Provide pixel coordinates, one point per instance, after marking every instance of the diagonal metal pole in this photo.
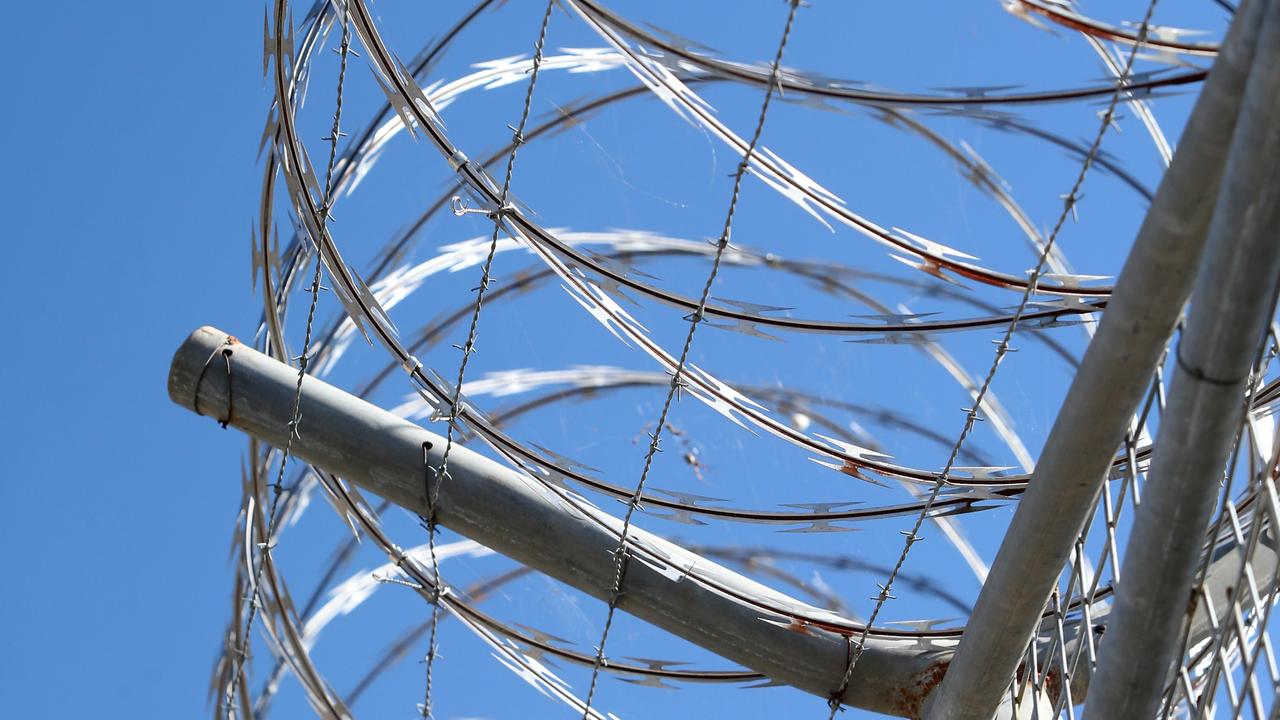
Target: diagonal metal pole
(1231, 307)
(685, 594)
(1107, 389)
(214, 375)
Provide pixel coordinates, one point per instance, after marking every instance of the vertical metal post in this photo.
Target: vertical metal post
(1107, 389)
(1230, 309)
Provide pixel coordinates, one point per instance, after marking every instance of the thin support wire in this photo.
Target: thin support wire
(620, 555)
(468, 347)
(1002, 349)
(335, 133)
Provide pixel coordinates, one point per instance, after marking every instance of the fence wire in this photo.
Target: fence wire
(1228, 667)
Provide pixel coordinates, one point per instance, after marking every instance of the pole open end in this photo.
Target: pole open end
(191, 363)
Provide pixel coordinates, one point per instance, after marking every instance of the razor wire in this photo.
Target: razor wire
(1002, 348)
(457, 409)
(620, 555)
(468, 347)
(277, 489)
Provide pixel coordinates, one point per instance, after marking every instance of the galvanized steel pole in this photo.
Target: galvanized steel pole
(214, 375)
(1107, 389)
(1230, 308)
(492, 504)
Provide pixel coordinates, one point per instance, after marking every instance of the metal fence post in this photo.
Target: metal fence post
(1115, 372)
(1230, 308)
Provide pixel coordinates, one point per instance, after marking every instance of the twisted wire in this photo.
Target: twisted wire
(468, 347)
(620, 557)
(335, 133)
(1002, 349)
(697, 316)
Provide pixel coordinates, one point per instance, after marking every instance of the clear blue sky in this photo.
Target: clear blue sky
(129, 190)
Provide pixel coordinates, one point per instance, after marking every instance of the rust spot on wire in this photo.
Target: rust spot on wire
(800, 626)
(853, 470)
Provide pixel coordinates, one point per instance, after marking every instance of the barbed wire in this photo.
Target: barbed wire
(1002, 349)
(468, 348)
(460, 413)
(335, 133)
(620, 555)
